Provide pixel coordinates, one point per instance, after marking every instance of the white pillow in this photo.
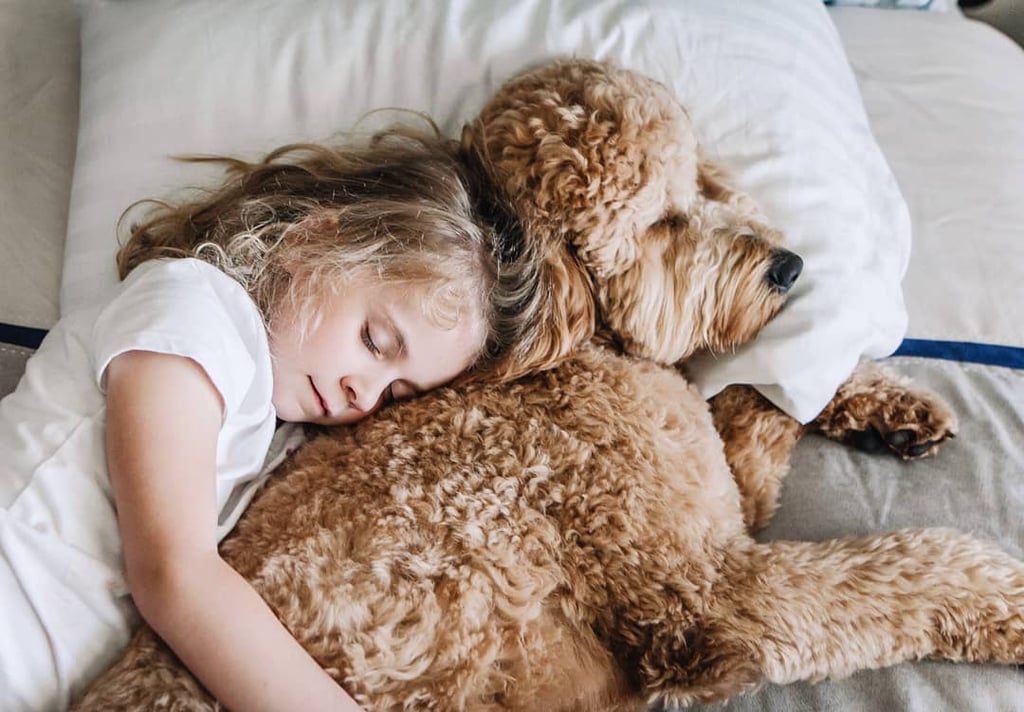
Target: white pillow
(766, 83)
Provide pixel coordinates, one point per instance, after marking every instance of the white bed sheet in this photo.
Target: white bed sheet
(38, 126)
(945, 97)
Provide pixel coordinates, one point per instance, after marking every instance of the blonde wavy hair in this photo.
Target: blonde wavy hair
(309, 219)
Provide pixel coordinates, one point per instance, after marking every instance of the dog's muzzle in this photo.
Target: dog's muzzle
(785, 267)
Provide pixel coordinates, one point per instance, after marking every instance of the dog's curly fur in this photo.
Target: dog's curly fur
(575, 539)
(639, 236)
(645, 244)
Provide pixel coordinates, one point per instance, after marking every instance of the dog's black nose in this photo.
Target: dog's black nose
(784, 269)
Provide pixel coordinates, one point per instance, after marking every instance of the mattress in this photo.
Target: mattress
(38, 128)
(945, 96)
(39, 121)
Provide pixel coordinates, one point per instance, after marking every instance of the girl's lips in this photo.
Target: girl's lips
(319, 399)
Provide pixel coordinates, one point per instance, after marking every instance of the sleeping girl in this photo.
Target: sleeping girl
(314, 286)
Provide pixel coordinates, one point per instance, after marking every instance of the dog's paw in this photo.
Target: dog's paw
(909, 443)
(878, 411)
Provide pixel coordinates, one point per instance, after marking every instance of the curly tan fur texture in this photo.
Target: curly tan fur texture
(576, 539)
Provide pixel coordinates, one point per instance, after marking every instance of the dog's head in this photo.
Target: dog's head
(640, 238)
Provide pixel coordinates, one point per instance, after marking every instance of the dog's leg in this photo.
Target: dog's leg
(147, 677)
(758, 440)
(790, 611)
(874, 410)
(807, 611)
(878, 410)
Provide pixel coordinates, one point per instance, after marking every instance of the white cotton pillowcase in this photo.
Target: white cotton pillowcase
(766, 84)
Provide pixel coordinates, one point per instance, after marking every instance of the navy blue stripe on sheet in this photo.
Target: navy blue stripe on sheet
(21, 335)
(988, 354)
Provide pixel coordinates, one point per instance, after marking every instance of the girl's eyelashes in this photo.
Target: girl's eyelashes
(368, 341)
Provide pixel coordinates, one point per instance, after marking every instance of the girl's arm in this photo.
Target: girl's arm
(163, 415)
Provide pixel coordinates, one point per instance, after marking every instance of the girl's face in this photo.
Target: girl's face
(372, 345)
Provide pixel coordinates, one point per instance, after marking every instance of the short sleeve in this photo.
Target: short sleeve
(189, 308)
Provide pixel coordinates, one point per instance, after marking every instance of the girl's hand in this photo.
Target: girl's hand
(163, 416)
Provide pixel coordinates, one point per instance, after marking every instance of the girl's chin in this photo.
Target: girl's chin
(292, 412)
(346, 418)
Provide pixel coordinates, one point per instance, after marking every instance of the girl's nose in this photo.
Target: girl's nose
(363, 395)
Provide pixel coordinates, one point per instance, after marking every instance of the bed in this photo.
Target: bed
(941, 94)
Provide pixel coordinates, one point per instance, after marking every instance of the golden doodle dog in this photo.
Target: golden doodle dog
(642, 237)
(575, 539)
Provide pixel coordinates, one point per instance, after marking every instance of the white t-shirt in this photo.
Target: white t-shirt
(61, 570)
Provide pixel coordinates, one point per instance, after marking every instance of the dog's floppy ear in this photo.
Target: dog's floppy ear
(594, 154)
(591, 159)
(565, 314)
(566, 319)
(559, 171)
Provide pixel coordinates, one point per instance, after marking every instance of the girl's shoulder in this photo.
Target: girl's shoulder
(187, 286)
(186, 307)
(189, 272)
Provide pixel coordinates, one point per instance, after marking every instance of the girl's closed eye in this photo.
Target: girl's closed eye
(368, 341)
